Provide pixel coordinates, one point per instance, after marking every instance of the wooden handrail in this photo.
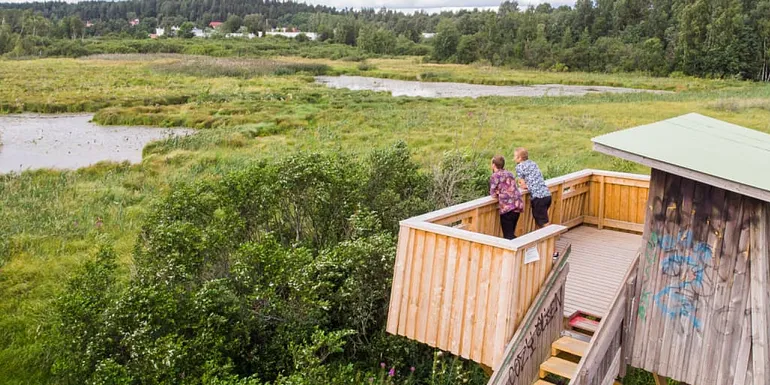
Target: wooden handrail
(542, 325)
(513, 245)
(579, 197)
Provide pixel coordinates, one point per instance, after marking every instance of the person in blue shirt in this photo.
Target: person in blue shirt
(531, 178)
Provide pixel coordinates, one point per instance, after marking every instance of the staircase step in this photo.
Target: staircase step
(576, 335)
(543, 382)
(559, 367)
(583, 323)
(569, 345)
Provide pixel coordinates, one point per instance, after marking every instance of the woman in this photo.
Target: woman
(502, 185)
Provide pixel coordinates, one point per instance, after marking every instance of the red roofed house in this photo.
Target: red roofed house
(215, 24)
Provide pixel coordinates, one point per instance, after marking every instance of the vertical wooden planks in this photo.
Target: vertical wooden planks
(471, 299)
(479, 321)
(409, 302)
(760, 269)
(436, 293)
(600, 210)
(423, 302)
(414, 285)
(506, 290)
(488, 352)
(399, 268)
(459, 301)
(730, 324)
(448, 294)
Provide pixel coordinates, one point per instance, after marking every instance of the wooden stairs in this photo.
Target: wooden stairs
(567, 351)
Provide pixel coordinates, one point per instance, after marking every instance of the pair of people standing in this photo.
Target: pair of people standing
(502, 184)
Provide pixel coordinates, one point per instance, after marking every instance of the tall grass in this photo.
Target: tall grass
(203, 66)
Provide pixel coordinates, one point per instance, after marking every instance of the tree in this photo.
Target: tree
(376, 40)
(255, 23)
(446, 40)
(346, 31)
(468, 49)
(186, 30)
(233, 24)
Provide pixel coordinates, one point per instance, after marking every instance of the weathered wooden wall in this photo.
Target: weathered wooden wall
(703, 285)
(541, 326)
(464, 292)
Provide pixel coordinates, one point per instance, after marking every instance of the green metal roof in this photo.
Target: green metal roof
(700, 148)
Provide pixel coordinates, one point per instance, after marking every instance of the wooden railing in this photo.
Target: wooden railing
(542, 325)
(609, 352)
(606, 199)
(459, 286)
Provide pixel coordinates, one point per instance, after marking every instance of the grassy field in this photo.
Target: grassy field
(50, 221)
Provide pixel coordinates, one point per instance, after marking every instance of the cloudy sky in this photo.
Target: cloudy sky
(408, 5)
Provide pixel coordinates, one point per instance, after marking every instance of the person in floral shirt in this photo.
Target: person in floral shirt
(502, 185)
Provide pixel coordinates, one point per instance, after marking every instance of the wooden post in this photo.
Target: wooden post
(659, 380)
(558, 205)
(601, 202)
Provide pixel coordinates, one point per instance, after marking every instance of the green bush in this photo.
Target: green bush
(278, 272)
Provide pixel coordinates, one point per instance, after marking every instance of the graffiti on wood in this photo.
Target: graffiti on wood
(530, 345)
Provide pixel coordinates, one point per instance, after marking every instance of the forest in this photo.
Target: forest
(705, 38)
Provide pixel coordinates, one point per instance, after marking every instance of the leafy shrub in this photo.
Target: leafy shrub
(364, 66)
(278, 272)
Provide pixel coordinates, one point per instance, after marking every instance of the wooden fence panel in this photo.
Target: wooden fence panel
(457, 294)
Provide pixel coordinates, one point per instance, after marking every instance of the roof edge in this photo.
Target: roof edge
(722, 183)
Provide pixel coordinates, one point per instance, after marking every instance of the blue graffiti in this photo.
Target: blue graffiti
(692, 265)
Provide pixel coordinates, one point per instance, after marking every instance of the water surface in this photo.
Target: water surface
(459, 90)
(70, 141)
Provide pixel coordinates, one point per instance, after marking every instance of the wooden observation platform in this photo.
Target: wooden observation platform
(668, 272)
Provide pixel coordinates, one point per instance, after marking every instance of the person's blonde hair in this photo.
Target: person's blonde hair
(522, 153)
(499, 162)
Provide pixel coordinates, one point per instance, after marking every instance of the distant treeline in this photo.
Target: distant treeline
(708, 38)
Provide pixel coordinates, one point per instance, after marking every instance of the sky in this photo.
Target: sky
(407, 6)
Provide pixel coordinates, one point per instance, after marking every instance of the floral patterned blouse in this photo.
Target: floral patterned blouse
(502, 184)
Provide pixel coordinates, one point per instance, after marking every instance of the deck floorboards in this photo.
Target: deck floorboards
(597, 265)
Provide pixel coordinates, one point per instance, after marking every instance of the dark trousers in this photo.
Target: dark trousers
(508, 222)
(540, 208)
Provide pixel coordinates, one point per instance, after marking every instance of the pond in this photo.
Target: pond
(460, 90)
(29, 142)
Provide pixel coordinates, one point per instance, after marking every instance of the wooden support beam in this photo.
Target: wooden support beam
(659, 380)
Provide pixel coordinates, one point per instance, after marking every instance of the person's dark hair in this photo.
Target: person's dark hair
(499, 162)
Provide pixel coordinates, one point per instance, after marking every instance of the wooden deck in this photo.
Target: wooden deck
(598, 264)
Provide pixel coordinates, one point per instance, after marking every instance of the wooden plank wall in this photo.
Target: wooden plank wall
(702, 285)
(462, 296)
(617, 202)
(542, 325)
